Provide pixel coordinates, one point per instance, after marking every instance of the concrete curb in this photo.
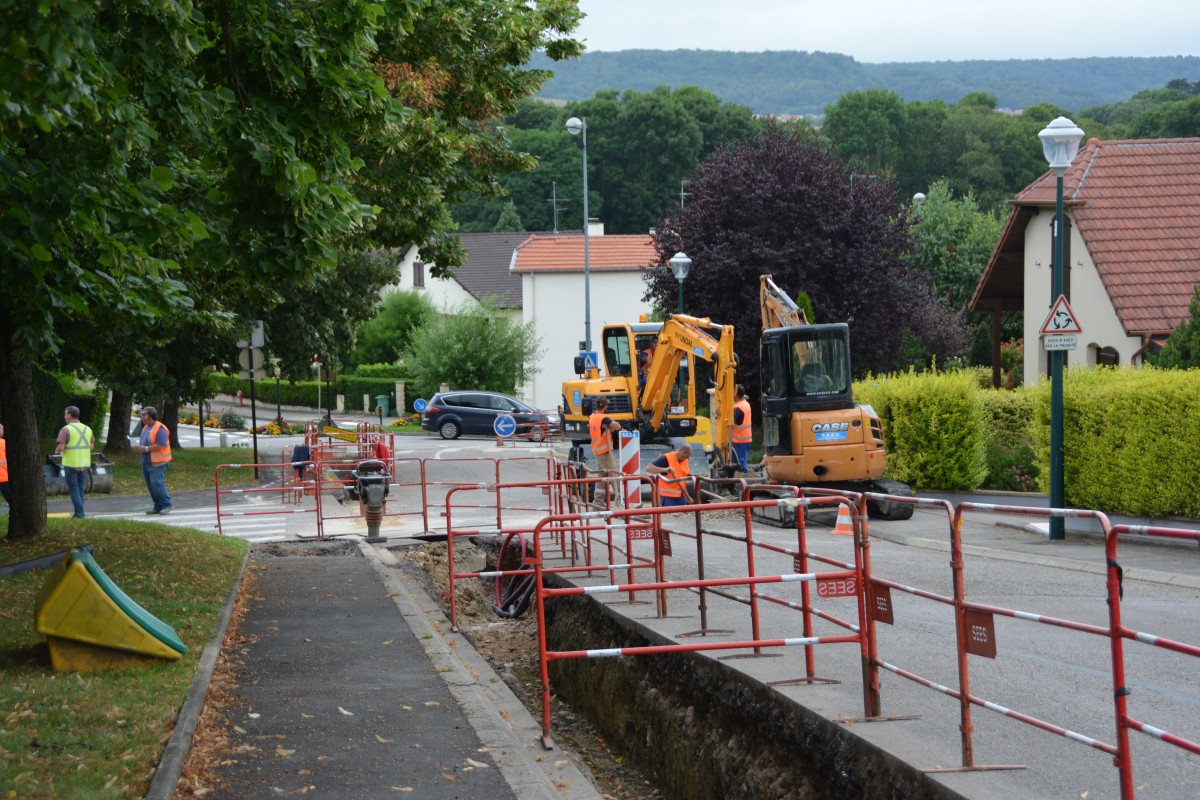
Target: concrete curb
(500, 719)
(170, 766)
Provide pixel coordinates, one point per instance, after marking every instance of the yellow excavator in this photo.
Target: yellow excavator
(649, 379)
(813, 433)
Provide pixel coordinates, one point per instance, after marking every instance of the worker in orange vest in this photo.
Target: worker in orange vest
(672, 469)
(742, 435)
(601, 427)
(4, 467)
(155, 447)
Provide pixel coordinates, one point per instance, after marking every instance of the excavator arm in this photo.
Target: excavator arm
(778, 310)
(689, 337)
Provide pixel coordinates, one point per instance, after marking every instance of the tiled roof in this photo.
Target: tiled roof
(1136, 205)
(564, 253)
(486, 273)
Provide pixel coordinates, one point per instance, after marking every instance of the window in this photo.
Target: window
(418, 274)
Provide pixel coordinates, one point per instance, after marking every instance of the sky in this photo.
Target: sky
(879, 31)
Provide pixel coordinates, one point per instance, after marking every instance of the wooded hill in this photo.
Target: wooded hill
(797, 82)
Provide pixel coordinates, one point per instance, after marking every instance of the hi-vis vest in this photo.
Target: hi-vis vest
(741, 433)
(601, 441)
(159, 456)
(681, 469)
(3, 462)
(78, 451)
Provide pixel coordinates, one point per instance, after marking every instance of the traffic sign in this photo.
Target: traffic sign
(1059, 342)
(419, 405)
(1061, 320)
(245, 356)
(505, 425)
(338, 433)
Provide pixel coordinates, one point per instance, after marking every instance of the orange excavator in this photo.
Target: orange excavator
(813, 433)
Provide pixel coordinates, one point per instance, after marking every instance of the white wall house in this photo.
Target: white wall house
(485, 275)
(1132, 254)
(551, 268)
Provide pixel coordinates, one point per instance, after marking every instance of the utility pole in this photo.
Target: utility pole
(553, 201)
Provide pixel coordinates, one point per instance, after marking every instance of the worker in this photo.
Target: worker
(601, 427)
(644, 358)
(741, 429)
(672, 469)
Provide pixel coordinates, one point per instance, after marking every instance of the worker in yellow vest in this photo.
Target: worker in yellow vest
(155, 447)
(75, 443)
(4, 468)
(673, 469)
(742, 435)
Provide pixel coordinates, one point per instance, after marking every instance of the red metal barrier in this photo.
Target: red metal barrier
(282, 490)
(544, 593)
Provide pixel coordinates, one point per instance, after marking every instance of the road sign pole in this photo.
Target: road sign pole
(1057, 487)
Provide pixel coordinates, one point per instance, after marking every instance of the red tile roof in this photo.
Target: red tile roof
(564, 253)
(1136, 205)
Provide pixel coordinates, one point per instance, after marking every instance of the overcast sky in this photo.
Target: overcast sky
(876, 31)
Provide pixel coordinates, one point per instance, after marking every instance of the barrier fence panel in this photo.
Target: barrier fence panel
(977, 636)
(570, 556)
(282, 492)
(545, 593)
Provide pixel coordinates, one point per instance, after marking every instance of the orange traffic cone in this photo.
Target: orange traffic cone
(843, 526)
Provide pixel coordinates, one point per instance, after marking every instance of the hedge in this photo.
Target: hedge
(304, 393)
(52, 393)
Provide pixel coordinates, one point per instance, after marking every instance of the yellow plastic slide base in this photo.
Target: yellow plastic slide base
(74, 605)
(69, 656)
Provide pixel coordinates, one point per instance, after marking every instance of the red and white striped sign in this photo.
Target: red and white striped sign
(631, 445)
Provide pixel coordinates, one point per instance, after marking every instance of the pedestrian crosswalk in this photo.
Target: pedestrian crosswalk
(253, 528)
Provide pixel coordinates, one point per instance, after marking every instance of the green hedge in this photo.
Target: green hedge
(933, 426)
(304, 393)
(1129, 436)
(52, 393)
(1129, 440)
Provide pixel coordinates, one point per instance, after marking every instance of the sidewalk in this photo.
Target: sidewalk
(350, 687)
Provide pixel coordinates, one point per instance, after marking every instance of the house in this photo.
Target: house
(553, 289)
(486, 275)
(1132, 251)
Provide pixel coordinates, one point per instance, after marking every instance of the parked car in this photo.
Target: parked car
(453, 414)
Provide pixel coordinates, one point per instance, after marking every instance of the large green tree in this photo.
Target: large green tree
(164, 153)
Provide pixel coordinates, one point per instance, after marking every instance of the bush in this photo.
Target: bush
(1011, 458)
(228, 419)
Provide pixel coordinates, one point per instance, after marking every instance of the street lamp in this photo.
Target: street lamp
(680, 264)
(317, 368)
(278, 396)
(1060, 144)
(579, 126)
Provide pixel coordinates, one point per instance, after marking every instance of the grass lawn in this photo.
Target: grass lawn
(99, 735)
(192, 468)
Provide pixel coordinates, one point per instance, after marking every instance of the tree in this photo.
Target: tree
(474, 347)
(384, 337)
(867, 127)
(788, 207)
(509, 219)
(1182, 350)
(952, 240)
(166, 163)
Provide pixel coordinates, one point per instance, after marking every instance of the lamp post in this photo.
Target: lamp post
(278, 396)
(1060, 144)
(317, 368)
(680, 264)
(579, 126)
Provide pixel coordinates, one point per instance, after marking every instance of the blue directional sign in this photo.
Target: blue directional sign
(420, 405)
(505, 425)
